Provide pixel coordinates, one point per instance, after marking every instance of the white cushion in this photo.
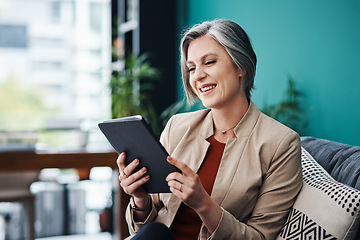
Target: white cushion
(324, 209)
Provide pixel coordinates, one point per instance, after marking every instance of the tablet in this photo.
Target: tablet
(134, 136)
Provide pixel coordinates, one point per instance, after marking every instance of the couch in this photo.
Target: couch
(328, 206)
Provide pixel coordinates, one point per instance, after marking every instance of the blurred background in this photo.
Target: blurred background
(66, 65)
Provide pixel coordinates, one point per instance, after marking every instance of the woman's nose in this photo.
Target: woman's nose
(199, 74)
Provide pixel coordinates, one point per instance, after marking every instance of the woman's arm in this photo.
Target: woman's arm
(281, 185)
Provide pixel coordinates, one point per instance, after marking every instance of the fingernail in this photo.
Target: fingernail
(144, 169)
(122, 154)
(136, 161)
(169, 158)
(147, 177)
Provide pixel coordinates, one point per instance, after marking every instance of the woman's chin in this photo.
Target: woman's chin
(208, 103)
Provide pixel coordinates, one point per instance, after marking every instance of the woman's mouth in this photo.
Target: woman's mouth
(207, 88)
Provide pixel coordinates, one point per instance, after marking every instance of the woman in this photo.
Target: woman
(241, 170)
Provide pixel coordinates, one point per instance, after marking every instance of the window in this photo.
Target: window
(56, 11)
(56, 64)
(95, 16)
(13, 36)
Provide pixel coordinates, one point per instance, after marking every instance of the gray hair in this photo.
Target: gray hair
(236, 43)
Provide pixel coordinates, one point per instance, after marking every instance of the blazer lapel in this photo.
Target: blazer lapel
(232, 154)
(227, 169)
(193, 156)
(194, 152)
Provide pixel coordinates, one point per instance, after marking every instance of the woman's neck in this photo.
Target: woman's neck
(226, 119)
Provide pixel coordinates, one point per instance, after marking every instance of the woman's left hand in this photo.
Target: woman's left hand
(186, 185)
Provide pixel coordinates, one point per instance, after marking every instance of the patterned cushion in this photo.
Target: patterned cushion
(324, 209)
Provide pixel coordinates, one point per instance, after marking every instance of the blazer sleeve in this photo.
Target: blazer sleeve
(281, 185)
(134, 226)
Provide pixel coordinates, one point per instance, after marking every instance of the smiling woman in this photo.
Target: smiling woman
(240, 169)
(213, 76)
(238, 48)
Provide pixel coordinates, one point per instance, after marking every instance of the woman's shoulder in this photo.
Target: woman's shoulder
(273, 135)
(266, 131)
(272, 126)
(257, 124)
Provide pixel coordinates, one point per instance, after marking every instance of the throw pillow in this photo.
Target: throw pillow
(324, 208)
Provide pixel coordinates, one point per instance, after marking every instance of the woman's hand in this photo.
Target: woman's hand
(132, 182)
(187, 185)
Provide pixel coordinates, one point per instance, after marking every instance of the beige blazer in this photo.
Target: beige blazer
(257, 182)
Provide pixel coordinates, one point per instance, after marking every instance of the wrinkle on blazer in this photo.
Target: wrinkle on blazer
(257, 182)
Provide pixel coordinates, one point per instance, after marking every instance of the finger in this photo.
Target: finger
(127, 171)
(130, 189)
(179, 192)
(176, 176)
(180, 165)
(133, 182)
(176, 185)
(123, 169)
(121, 161)
(133, 177)
(175, 191)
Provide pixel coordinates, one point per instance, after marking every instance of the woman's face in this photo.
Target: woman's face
(212, 74)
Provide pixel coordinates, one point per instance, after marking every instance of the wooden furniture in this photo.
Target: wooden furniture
(15, 187)
(29, 160)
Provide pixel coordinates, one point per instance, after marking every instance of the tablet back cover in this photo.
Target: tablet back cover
(133, 136)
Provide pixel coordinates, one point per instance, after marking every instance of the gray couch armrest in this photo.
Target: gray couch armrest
(342, 161)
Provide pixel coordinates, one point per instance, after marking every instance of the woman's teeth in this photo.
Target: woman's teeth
(207, 88)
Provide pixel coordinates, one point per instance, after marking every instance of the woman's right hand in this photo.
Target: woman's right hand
(132, 182)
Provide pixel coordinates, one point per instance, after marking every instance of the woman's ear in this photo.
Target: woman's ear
(241, 79)
(240, 74)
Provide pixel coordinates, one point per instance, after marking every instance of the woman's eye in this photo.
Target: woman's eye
(190, 69)
(210, 62)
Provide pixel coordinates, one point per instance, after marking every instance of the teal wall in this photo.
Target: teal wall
(317, 42)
